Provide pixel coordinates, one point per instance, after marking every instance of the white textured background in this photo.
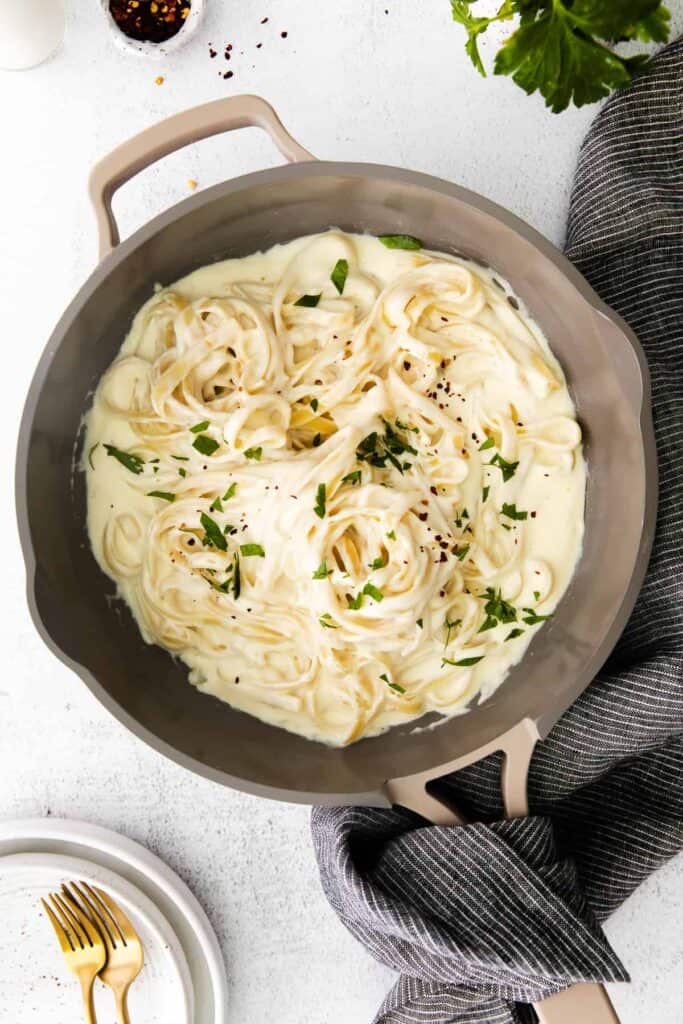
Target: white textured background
(351, 82)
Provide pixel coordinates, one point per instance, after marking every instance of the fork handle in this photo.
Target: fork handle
(121, 997)
(87, 985)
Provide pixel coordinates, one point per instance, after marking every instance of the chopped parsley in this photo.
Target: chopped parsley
(352, 478)
(532, 618)
(90, 454)
(132, 462)
(513, 634)
(356, 602)
(378, 563)
(252, 550)
(392, 686)
(216, 505)
(488, 443)
(314, 404)
(420, 623)
(537, 594)
(339, 275)
(199, 428)
(508, 469)
(374, 592)
(180, 458)
(326, 621)
(464, 662)
(166, 495)
(253, 453)
(391, 535)
(181, 471)
(485, 493)
(377, 449)
(460, 517)
(230, 493)
(450, 626)
(320, 501)
(205, 444)
(400, 241)
(213, 535)
(237, 578)
(322, 572)
(310, 301)
(461, 553)
(512, 512)
(497, 610)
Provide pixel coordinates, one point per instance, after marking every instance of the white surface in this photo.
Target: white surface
(147, 888)
(161, 992)
(31, 31)
(351, 82)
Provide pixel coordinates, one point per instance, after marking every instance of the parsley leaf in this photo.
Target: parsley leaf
(420, 623)
(391, 535)
(374, 592)
(531, 617)
(392, 686)
(485, 493)
(465, 662)
(230, 493)
(310, 301)
(322, 572)
(90, 454)
(488, 443)
(508, 469)
(205, 444)
(320, 501)
(378, 563)
(475, 25)
(213, 535)
(378, 449)
(513, 633)
(326, 621)
(461, 553)
(237, 578)
(400, 241)
(314, 404)
(166, 495)
(352, 478)
(339, 275)
(216, 505)
(252, 550)
(512, 512)
(356, 602)
(199, 428)
(253, 453)
(132, 462)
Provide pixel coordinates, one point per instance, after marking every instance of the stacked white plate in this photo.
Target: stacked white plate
(183, 980)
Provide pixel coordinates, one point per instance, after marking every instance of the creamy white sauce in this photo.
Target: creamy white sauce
(340, 629)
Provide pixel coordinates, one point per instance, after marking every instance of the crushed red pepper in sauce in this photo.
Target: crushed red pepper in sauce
(151, 21)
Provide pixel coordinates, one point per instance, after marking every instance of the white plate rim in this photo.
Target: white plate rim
(123, 891)
(146, 863)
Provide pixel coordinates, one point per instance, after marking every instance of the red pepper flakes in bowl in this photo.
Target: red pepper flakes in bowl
(150, 21)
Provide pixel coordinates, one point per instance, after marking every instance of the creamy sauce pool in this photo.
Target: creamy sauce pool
(342, 482)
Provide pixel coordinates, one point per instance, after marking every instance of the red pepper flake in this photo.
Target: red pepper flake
(228, 74)
(150, 21)
(284, 35)
(212, 53)
(264, 20)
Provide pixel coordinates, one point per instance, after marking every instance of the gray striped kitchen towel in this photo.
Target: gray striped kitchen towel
(483, 919)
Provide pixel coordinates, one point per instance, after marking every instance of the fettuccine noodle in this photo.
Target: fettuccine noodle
(342, 481)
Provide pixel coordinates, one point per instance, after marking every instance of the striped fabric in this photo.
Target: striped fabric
(483, 919)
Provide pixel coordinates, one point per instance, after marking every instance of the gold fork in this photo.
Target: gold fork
(124, 949)
(81, 945)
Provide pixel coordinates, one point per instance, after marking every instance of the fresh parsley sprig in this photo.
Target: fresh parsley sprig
(559, 47)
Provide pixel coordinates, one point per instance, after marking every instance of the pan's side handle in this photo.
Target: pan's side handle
(578, 1004)
(171, 134)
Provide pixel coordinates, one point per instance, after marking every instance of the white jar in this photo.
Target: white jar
(30, 31)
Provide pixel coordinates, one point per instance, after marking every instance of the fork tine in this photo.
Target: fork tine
(117, 936)
(96, 915)
(61, 932)
(71, 919)
(128, 933)
(92, 933)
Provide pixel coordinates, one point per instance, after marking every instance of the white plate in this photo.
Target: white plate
(133, 864)
(162, 992)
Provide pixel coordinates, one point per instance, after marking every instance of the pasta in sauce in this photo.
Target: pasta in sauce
(342, 480)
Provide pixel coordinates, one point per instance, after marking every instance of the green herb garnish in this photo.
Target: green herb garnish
(230, 493)
(166, 495)
(461, 553)
(378, 449)
(90, 454)
(198, 428)
(420, 623)
(213, 535)
(488, 443)
(205, 444)
(378, 563)
(497, 607)
(508, 469)
(465, 662)
(512, 512)
(216, 505)
(537, 594)
(531, 617)
(352, 478)
(314, 404)
(326, 621)
(180, 458)
(356, 602)
(392, 686)
(132, 462)
(339, 275)
(485, 493)
(320, 501)
(450, 626)
(322, 572)
(253, 453)
(252, 550)
(374, 592)
(400, 241)
(513, 634)
(309, 301)
(237, 578)
(181, 471)
(391, 535)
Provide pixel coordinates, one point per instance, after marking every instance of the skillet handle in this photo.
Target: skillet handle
(585, 1003)
(174, 133)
